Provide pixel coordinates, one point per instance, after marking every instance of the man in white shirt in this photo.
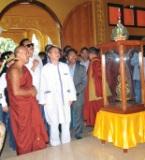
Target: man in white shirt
(8, 58)
(78, 73)
(57, 92)
(34, 65)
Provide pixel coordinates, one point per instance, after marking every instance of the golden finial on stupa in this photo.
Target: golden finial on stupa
(119, 32)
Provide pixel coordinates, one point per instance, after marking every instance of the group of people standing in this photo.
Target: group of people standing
(54, 93)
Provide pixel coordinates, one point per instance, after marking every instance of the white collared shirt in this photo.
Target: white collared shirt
(85, 63)
(72, 69)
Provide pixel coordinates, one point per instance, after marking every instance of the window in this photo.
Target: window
(128, 16)
(36, 44)
(114, 12)
(49, 41)
(140, 14)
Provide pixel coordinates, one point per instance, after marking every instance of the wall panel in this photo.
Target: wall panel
(78, 27)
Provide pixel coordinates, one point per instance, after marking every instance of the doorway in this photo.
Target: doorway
(24, 19)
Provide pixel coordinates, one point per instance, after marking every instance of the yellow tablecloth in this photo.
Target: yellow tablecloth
(123, 130)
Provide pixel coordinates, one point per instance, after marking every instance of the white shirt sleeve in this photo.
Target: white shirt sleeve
(72, 93)
(35, 74)
(3, 85)
(42, 88)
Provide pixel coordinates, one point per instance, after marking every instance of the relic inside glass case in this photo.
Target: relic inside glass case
(132, 75)
(123, 75)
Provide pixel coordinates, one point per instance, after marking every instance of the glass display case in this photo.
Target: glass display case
(121, 119)
(123, 76)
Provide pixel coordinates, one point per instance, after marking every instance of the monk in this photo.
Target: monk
(27, 124)
(93, 93)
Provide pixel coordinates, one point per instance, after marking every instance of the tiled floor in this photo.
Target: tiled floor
(7, 152)
(88, 148)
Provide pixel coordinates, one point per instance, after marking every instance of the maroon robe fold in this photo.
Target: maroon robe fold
(91, 107)
(27, 124)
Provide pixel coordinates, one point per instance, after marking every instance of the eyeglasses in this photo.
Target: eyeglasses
(29, 45)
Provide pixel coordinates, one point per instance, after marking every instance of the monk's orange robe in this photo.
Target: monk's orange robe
(93, 94)
(27, 124)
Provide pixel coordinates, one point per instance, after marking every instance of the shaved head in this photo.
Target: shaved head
(22, 54)
(19, 50)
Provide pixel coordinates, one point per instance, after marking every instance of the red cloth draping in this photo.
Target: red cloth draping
(27, 124)
(92, 105)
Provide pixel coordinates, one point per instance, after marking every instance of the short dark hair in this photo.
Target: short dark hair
(21, 43)
(84, 48)
(47, 47)
(70, 50)
(144, 50)
(42, 54)
(51, 47)
(66, 48)
(6, 55)
(94, 50)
